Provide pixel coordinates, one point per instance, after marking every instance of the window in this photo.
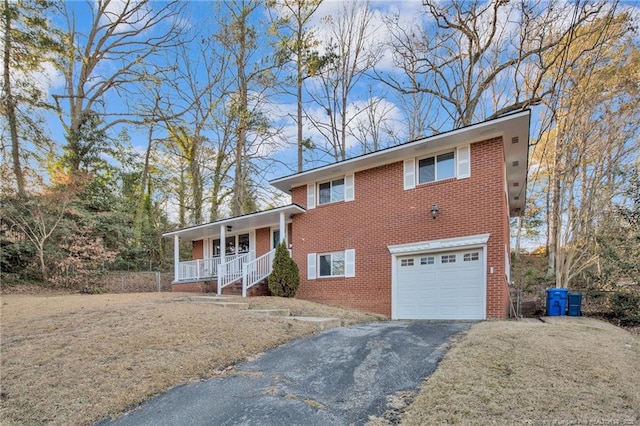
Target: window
(235, 244)
(406, 262)
(471, 257)
(331, 264)
(448, 258)
(330, 192)
(429, 260)
(336, 264)
(275, 238)
(243, 243)
(435, 168)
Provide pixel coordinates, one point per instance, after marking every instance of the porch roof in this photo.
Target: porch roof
(246, 222)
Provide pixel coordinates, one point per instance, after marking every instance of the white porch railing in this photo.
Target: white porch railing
(256, 270)
(241, 266)
(198, 269)
(231, 270)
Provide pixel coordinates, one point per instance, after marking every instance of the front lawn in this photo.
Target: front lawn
(569, 371)
(74, 359)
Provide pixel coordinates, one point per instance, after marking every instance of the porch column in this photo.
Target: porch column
(282, 228)
(176, 257)
(223, 249)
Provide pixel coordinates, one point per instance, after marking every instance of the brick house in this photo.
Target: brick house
(415, 231)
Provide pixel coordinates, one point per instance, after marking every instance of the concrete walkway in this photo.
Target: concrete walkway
(341, 376)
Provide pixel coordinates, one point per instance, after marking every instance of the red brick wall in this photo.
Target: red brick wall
(197, 252)
(263, 241)
(383, 214)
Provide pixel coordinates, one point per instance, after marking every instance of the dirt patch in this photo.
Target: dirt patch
(569, 370)
(75, 359)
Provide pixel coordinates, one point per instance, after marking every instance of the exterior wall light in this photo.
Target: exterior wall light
(229, 228)
(434, 211)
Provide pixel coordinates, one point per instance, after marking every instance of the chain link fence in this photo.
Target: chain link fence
(135, 282)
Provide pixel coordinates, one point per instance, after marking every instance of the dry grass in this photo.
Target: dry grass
(73, 359)
(568, 371)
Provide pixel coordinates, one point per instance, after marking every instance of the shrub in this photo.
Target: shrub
(285, 278)
(625, 307)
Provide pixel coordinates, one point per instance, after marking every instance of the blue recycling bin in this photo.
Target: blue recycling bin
(556, 301)
(574, 304)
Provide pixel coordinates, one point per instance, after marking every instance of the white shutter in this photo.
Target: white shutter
(464, 161)
(409, 174)
(349, 193)
(350, 263)
(311, 196)
(311, 266)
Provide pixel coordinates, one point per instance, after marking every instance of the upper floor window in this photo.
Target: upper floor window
(435, 168)
(452, 164)
(330, 192)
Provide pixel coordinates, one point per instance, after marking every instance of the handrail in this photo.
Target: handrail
(231, 270)
(256, 270)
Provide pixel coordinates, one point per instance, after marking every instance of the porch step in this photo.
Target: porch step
(322, 323)
(272, 312)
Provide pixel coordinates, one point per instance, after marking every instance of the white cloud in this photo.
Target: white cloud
(136, 12)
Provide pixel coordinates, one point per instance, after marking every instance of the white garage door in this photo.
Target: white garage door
(441, 286)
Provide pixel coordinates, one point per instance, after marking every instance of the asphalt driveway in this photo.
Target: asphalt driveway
(339, 377)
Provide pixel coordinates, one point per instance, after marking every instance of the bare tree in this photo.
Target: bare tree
(40, 216)
(126, 35)
(197, 88)
(590, 142)
(374, 127)
(353, 55)
(472, 57)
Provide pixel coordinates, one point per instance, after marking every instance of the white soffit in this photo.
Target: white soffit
(440, 245)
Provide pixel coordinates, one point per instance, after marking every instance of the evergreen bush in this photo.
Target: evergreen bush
(285, 277)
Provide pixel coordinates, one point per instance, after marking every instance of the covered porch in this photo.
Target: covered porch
(238, 249)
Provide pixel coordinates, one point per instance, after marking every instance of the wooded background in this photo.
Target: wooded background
(122, 120)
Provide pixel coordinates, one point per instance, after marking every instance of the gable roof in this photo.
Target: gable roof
(513, 128)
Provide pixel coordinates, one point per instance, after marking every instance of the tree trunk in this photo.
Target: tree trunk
(299, 117)
(555, 213)
(137, 230)
(10, 103)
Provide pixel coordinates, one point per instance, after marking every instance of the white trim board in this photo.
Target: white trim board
(440, 245)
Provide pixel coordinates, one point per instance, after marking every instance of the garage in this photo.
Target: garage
(440, 285)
